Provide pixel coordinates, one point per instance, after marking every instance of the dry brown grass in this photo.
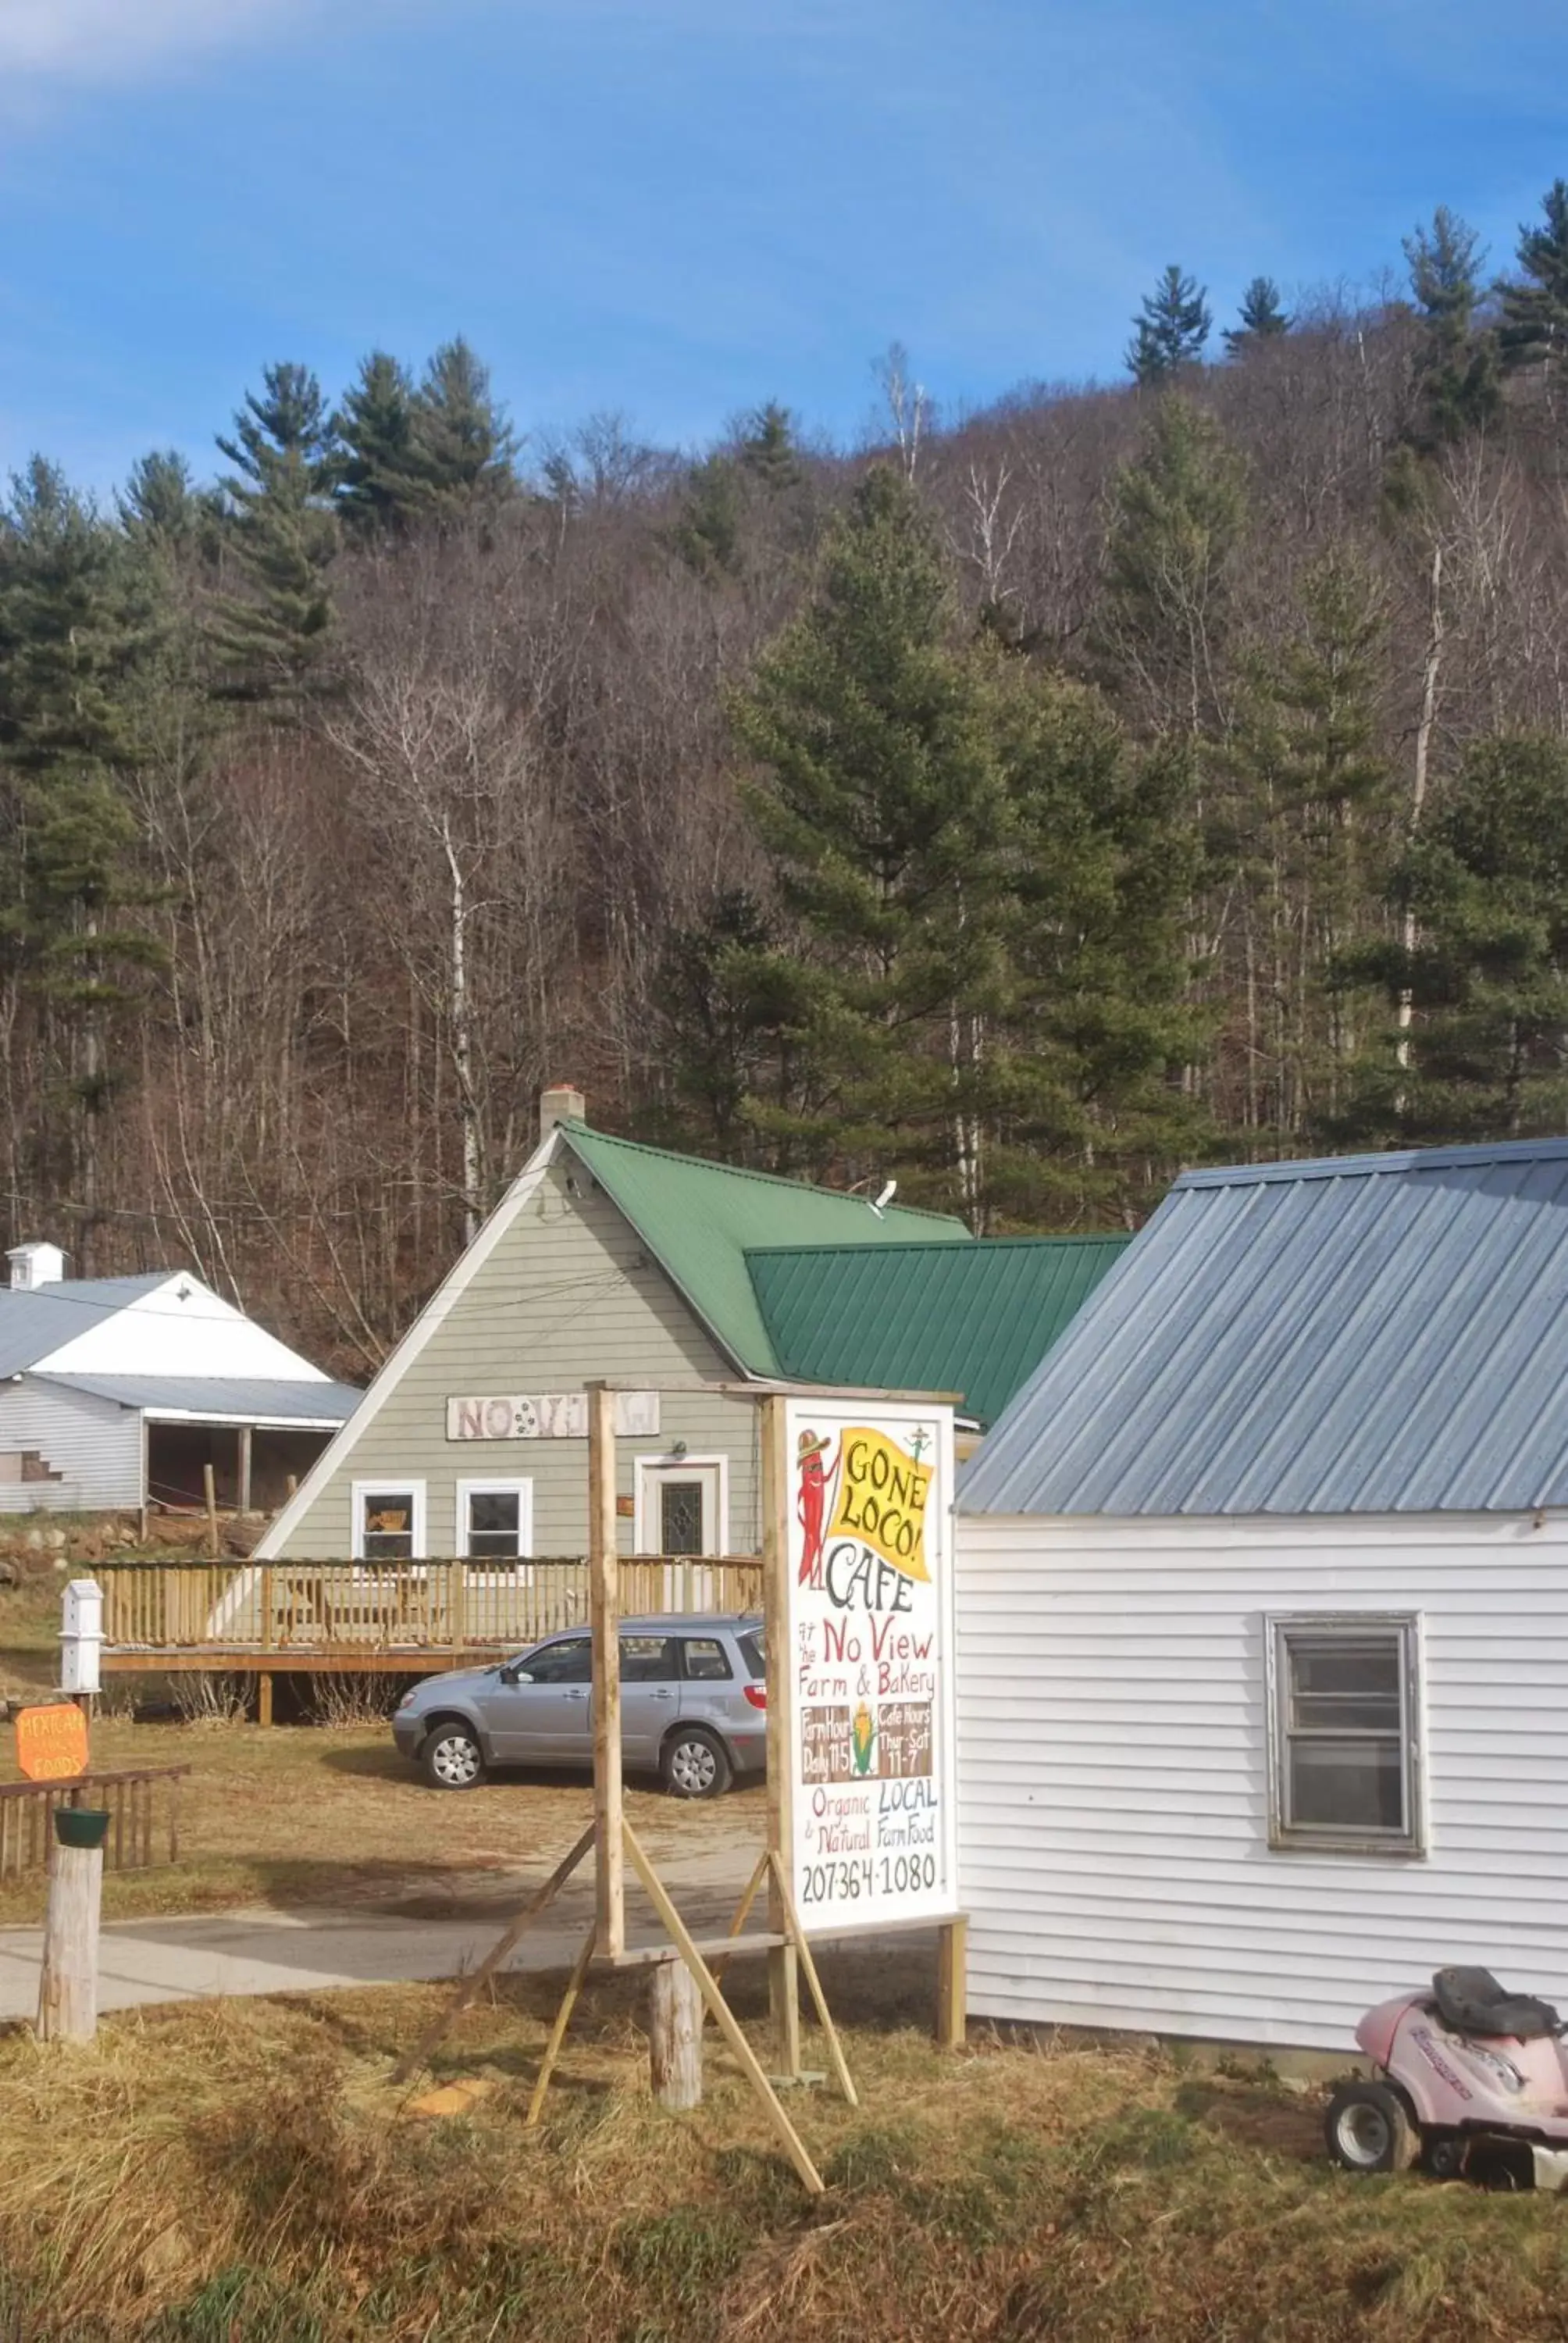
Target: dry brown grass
(309, 1814)
(30, 1635)
(238, 2174)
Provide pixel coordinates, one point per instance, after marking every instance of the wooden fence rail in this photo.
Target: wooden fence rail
(27, 1818)
(260, 1610)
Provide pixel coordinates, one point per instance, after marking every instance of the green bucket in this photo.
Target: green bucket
(81, 1825)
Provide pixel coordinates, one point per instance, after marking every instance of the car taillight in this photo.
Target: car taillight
(756, 1694)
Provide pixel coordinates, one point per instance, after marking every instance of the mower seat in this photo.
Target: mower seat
(1471, 2001)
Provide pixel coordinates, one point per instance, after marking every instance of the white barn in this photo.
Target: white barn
(117, 1391)
(1263, 1604)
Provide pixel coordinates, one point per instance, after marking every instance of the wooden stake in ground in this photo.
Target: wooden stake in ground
(412, 2060)
(675, 2035)
(723, 2016)
(814, 1986)
(68, 1983)
(559, 2030)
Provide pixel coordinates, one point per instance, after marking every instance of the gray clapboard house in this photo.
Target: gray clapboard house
(604, 1258)
(656, 1270)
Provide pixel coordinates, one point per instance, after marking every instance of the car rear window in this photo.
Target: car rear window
(706, 1659)
(752, 1652)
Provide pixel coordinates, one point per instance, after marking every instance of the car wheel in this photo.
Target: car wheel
(693, 1764)
(452, 1758)
(1368, 2129)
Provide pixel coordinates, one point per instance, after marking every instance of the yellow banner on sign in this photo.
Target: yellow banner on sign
(882, 1492)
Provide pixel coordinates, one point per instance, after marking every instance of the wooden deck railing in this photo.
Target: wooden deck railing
(261, 1608)
(27, 1818)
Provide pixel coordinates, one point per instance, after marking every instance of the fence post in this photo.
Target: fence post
(68, 1982)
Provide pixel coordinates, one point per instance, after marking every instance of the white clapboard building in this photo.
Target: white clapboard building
(1263, 1604)
(118, 1391)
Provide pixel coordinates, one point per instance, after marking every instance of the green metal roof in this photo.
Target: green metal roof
(700, 1220)
(976, 1319)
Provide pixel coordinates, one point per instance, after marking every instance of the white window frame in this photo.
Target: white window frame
(388, 1484)
(497, 1485)
(650, 1469)
(1405, 1628)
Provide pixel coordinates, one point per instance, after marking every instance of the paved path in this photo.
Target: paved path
(264, 1951)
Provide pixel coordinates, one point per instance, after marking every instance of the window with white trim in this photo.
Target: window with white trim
(388, 1520)
(1345, 1758)
(495, 1520)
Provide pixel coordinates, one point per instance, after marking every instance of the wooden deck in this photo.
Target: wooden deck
(395, 1617)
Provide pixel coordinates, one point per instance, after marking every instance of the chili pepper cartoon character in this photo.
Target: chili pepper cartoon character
(817, 1485)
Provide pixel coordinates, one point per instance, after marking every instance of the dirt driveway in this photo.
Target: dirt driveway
(294, 1816)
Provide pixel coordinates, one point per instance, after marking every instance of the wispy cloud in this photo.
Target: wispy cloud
(55, 42)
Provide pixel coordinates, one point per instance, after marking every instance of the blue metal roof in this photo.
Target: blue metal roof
(42, 1319)
(1362, 1335)
(232, 1399)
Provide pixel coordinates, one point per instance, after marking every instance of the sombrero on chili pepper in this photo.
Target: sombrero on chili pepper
(810, 1444)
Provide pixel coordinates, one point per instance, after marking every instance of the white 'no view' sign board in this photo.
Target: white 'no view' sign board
(870, 1613)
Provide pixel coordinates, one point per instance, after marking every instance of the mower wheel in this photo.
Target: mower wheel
(1444, 2156)
(1368, 2129)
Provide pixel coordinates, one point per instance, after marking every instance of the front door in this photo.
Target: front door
(680, 1513)
(545, 1719)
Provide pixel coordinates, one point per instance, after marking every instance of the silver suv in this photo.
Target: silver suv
(693, 1707)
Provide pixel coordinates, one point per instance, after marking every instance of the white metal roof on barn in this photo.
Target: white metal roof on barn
(1363, 1334)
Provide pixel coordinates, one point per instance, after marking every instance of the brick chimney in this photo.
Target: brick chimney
(561, 1102)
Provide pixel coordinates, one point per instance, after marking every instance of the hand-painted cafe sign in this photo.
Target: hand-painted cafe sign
(870, 1646)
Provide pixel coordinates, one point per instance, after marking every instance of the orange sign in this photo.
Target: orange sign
(52, 1743)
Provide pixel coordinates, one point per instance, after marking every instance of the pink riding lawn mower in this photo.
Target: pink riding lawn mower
(1471, 2080)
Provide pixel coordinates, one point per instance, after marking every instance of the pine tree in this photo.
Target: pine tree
(769, 451)
(378, 488)
(1176, 519)
(463, 452)
(77, 624)
(1262, 317)
(1458, 363)
(1534, 329)
(1170, 329)
(1094, 1024)
(881, 808)
(1487, 881)
(285, 535)
(736, 1011)
(160, 501)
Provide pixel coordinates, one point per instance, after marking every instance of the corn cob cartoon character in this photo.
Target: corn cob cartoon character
(862, 1738)
(811, 1506)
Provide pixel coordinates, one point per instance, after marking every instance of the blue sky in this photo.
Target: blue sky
(678, 208)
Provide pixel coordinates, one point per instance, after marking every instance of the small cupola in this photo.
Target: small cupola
(33, 1265)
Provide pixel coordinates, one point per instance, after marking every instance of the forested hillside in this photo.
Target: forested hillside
(1022, 806)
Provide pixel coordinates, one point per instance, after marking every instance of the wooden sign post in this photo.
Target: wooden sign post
(604, 1626)
(783, 1980)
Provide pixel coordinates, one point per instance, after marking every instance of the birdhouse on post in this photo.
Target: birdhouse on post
(81, 1635)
